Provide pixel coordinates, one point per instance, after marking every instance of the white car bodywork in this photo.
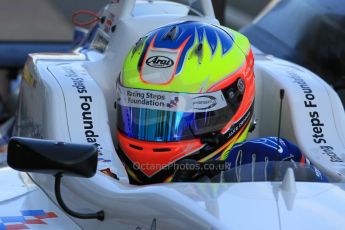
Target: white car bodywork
(70, 97)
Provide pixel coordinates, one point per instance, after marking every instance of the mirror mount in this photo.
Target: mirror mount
(97, 215)
(57, 159)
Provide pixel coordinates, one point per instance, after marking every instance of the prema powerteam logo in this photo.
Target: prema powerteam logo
(159, 62)
(204, 102)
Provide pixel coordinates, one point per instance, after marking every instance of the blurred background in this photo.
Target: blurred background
(29, 26)
(308, 32)
(45, 21)
(50, 20)
(46, 25)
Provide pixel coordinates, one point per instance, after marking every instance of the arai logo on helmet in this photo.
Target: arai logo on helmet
(159, 62)
(204, 102)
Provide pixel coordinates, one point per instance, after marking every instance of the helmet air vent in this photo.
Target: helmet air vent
(198, 52)
(172, 34)
(135, 147)
(162, 150)
(138, 44)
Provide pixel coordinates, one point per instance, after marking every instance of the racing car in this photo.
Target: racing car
(70, 176)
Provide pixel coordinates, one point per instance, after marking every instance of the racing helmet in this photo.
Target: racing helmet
(186, 91)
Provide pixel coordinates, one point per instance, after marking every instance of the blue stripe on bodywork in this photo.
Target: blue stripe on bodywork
(33, 213)
(12, 219)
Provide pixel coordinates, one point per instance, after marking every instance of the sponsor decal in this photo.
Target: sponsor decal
(173, 103)
(159, 62)
(86, 103)
(328, 150)
(145, 98)
(204, 102)
(240, 123)
(241, 85)
(169, 101)
(25, 219)
(158, 66)
(309, 103)
(315, 120)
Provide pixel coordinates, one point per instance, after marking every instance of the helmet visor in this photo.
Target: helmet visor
(157, 116)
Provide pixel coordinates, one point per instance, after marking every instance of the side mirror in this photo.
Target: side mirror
(52, 157)
(56, 158)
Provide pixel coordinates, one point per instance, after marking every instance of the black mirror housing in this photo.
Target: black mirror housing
(52, 157)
